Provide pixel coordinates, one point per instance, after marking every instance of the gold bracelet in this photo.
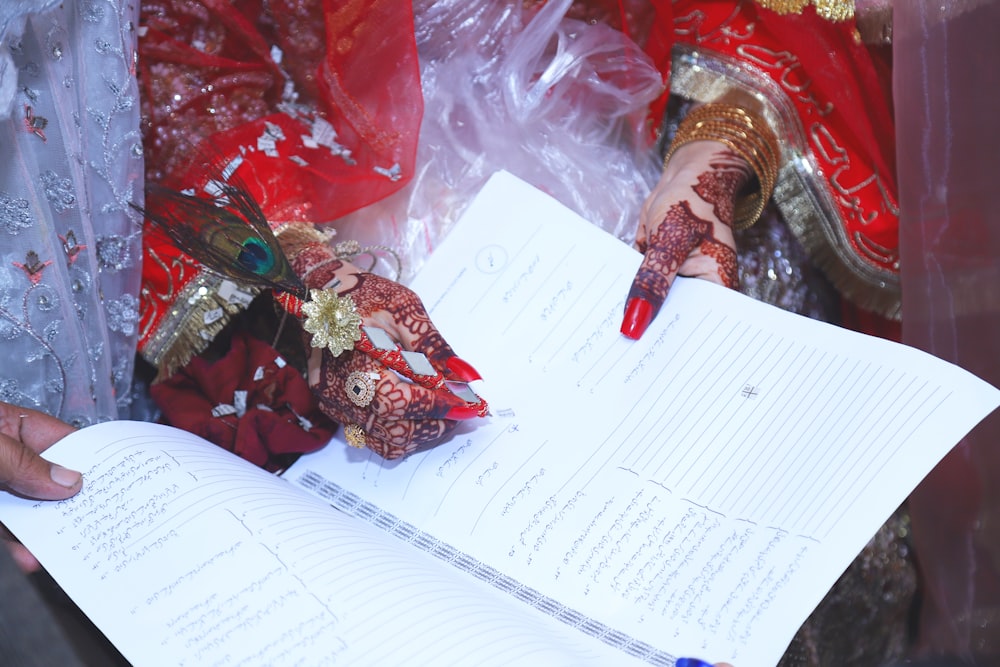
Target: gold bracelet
(296, 237)
(738, 124)
(745, 134)
(748, 208)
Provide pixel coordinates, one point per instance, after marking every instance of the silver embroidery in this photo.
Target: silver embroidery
(59, 191)
(15, 213)
(123, 314)
(91, 11)
(113, 253)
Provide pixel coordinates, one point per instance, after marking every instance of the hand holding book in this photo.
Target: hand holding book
(24, 435)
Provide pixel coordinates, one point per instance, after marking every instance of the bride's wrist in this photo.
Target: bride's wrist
(313, 258)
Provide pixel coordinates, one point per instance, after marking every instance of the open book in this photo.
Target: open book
(694, 493)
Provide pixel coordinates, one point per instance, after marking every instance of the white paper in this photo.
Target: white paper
(693, 493)
(184, 554)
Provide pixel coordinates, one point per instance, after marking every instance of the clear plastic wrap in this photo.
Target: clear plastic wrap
(558, 102)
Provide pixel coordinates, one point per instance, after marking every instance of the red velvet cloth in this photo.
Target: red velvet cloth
(281, 414)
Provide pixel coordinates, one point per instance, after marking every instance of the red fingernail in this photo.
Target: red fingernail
(463, 370)
(638, 315)
(463, 412)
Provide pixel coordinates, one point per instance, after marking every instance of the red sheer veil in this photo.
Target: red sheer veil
(946, 84)
(314, 104)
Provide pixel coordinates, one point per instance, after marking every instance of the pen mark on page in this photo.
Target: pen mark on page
(177, 512)
(611, 319)
(666, 377)
(648, 355)
(545, 281)
(485, 449)
(513, 260)
(520, 494)
(487, 473)
(574, 304)
(492, 259)
(727, 413)
(742, 464)
(627, 418)
(652, 351)
(661, 485)
(704, 507)
(783, 413)
(521, 279)
(453, 459)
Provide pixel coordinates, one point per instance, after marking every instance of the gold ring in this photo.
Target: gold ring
(356, 436)
(360, 387)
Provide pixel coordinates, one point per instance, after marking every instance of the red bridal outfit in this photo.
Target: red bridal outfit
(826, 95)
(314, 105)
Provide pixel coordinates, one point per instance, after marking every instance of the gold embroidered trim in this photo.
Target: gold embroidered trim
(808, 209)
(197, 314)
(831, 10)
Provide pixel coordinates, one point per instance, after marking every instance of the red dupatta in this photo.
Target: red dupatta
(316, 104)
(839, 90)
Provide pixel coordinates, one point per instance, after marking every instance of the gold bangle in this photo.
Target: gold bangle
(748, 136)
(748, 208)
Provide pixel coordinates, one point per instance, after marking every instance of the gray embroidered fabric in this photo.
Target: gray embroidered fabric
(69, 242)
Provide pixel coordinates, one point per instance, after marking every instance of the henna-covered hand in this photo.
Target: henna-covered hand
(685, 228)
(402, 416)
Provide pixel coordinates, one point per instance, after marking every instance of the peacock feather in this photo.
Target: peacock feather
(227, 233)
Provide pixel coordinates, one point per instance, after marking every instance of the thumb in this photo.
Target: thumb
(646, 296)
(25, 473)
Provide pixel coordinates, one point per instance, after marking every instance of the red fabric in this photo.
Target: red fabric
(947, 88)
(215, 78)
(277, 396)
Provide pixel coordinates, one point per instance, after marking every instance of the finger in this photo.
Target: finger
(392, 439)
(716, 263)
(678, 234)
(401, 418)
(399, 311)
(25, 560)
(26, 473)
(35, 429)
(354, 387)
(396, 400)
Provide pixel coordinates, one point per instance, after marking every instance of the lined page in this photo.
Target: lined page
(693, 493)
(186, 555)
